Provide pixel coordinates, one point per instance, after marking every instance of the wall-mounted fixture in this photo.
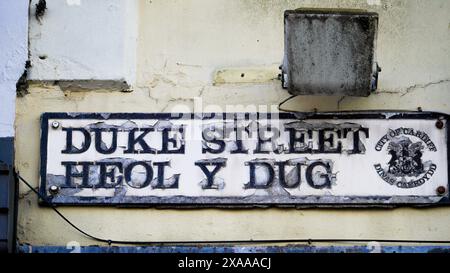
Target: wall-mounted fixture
(330, 52)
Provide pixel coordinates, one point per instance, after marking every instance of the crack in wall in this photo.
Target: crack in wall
(386, 92)
(27, 193)
(402, 92)
(172, 99)
(422, 86)
(340, 101)
(409, 89)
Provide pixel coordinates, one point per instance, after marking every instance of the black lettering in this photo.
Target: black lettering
(239, 144)
(262, 141)
(326, 176)
(133, 140)
(148, 174)
(98, 141)
(70, 149)
(84, 175)
(206, 149)
(160, 183)
(294, 139)
(357, 139)
(105, 174)
(328, 149)
(253, 184)
(282, 175)
(210, 174)
(166, 140)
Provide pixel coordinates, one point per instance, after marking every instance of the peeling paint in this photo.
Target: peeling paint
(293, 248)
(88, 85)
(41, 6)
(280, 177)
(246, 75)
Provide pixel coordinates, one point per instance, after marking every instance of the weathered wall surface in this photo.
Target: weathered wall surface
(84, 40)
(13, 54)
(191, 56)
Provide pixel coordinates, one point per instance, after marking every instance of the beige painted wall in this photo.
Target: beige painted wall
(191, 54)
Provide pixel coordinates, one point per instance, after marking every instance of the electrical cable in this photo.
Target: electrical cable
(59, 213)
(285, 101)
(257, 241)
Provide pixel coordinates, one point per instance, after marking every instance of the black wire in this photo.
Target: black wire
(285, 101)
(60, 214)
(258, 241)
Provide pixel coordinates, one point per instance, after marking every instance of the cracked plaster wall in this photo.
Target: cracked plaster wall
(182, 44)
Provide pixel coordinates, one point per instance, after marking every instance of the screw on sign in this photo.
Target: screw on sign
(54, 189)
(441, 190)
(55, 125)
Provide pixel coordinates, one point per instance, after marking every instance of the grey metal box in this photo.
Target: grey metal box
(330, 52)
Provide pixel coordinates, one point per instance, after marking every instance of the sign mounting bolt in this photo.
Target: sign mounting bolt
(441, 190)
(54, 189)
(439, 124)
(55, 125)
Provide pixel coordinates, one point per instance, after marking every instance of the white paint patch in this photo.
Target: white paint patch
(89, 40)
(13, 55)
(374, 2)
(73, 2)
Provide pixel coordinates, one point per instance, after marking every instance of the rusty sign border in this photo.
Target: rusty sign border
(337, 201)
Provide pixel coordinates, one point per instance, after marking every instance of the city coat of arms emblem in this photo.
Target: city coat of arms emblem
(405, 166)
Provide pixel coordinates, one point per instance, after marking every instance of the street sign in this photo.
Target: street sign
(245, 159)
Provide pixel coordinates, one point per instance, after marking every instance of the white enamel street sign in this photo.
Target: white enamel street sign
(245, 159)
